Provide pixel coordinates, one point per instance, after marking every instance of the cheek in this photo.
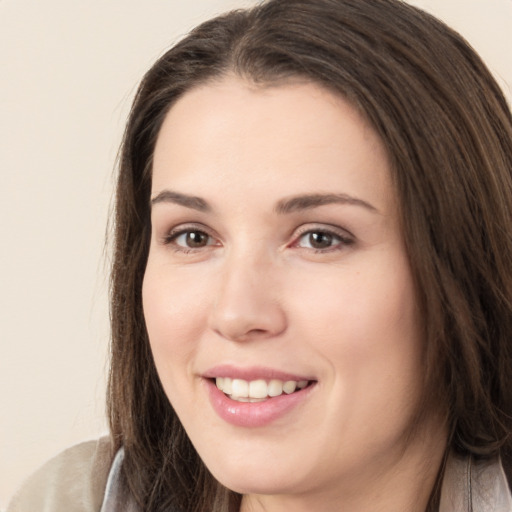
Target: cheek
(367, 328)
(360, 309)
(174, 311)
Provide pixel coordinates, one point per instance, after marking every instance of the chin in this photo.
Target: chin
(250, 482)
(253, 473)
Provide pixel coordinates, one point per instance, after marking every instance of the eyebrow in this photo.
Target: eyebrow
(309, 201)
(169, 196)
(284, 206)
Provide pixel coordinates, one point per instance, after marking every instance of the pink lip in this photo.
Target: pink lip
(252, 373)
(255, 414)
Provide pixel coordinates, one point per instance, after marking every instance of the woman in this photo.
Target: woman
(311, 289)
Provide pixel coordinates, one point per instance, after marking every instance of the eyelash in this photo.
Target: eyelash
(172, 236)
(342, 240)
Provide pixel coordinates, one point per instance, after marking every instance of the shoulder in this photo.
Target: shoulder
(479, 484)
(72, 481)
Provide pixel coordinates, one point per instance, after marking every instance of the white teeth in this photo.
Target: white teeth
(240, 388)
(227, 386)
(257, 390)
(289, 386)
(275, 388)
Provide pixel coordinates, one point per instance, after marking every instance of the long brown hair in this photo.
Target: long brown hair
(448, 133)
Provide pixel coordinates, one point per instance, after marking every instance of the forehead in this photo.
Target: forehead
(234, 133)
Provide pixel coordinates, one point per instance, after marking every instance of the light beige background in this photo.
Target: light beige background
(69, 70)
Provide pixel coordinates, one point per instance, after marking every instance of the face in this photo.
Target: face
(278, 296)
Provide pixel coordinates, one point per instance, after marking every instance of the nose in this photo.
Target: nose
(247, 304)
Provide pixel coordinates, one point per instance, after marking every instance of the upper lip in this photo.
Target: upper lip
(252, 373)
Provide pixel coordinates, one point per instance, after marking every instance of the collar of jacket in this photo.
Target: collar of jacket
(474, 486)
(468, 486)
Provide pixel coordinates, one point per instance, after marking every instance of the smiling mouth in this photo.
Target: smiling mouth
(259, 390)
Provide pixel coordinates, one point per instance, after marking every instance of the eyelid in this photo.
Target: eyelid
(170, 235)
(345, 237)
(327, 228)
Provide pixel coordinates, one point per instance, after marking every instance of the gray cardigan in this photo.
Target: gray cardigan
(85, 478)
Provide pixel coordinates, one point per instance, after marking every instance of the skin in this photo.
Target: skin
(257, 290)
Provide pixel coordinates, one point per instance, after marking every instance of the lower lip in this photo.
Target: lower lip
(254, 414)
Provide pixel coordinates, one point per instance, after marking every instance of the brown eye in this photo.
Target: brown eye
(320, 240)
(195, 239)
(323, 240)
(190, 239)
